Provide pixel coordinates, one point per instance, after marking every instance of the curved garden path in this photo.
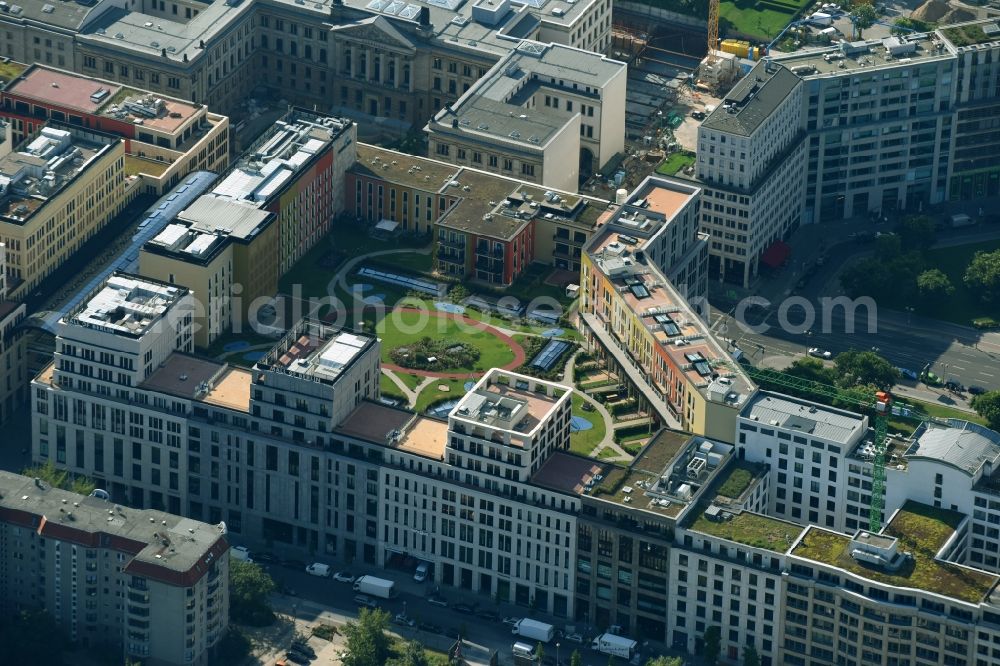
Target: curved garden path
(519, 355)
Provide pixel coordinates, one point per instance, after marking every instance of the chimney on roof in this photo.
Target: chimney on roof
(425, 17)
(185, 57)
(163, 52)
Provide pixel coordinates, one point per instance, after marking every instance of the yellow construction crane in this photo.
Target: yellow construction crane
(713, 29)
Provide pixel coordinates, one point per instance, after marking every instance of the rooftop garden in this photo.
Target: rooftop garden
(675, 162)
(751, 529)
(10, 70)
(736, 479)
(966, 35)
(922, 530)
(664, 448)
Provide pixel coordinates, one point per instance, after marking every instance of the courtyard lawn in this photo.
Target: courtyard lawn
(411, 380)
(675, 163)
(432, 393)
(389, 388)
(753, 19)
(963, 306)
(584, 442)
(313, 271)
(403, 327)
(413, 262)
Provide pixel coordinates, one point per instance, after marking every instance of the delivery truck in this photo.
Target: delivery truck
(536, 631)
(616, 646)
(376, 587)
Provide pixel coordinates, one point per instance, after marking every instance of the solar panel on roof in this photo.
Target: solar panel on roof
(702, 368)
(639, 291)
(550, 353)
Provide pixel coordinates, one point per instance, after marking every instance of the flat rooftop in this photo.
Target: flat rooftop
(397, 429)
(127, 305)
(201, 379)
(62, 88)
(805, 417)
(974, 33)
(509, 402)
(203, 229)
(752, 100)
(751, 529)
(278, 156)
(162, 546)
(680, 332)
(499, 106)
(41, 168)
(921, 530)
(851, 57)
(403, 169)
(150, 110)
(316, 352)
(961, 444)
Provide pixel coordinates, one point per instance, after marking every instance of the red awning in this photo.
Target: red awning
(776, 255)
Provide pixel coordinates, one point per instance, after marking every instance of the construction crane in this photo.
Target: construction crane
(713, 29)
(880, 403)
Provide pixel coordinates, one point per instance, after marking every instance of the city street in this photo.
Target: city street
(317, 599)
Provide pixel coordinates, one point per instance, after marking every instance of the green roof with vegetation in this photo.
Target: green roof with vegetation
(967, 35)
(735, 480)
(921, 530)
(750, 529)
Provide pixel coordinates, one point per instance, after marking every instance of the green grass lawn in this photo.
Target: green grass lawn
(389, 388)
(433, 394)
(963, 306)
(413, 262)
(403, 327)
(751, 529)
(411, 380)
(584, 441)
(675, 163)
(736, 482)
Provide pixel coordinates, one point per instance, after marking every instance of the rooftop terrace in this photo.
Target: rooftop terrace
(316, 351)
(750, 529)
(203, 380)
(510, 402)
(973, 33)
(847, 57)
(921, 530)
(397, 429)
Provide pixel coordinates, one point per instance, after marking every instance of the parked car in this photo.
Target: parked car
(266, 558)
(464, 608)
(365, 600)
(437, 600)
(489, 615)
(293, 564)
(318, 569)
(302, 646)
(574, 638)
(423, 570)
(511, 620)
(909, 374)
(698, 115)
(344, 577)
(400, 618)
(820, 353)
(297, 657)
(977, 390)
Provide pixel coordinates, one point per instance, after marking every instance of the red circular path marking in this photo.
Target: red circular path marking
(519, 355)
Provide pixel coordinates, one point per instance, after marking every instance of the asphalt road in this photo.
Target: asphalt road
(315, 596)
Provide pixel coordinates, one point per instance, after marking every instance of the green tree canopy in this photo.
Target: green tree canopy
(712, 644)
(412, 655)
(987, 405)
(575, 659)
(916, 232)
(863, 16)
(664, 661)
(813, 370)
(250, 588)
(750, 656)
(934, 285)
(983, 274)
(367, 642)
(861, 368)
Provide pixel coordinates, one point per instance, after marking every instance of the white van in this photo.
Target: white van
(317, 569)
(525, 650)
(240, 553)
(423, 569)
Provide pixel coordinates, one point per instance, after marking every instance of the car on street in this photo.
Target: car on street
(318, 569)
(464, 608)
(698, 115)
(266, 558)
(820, 353)
(909, 374)
(510, 621)
(437, 600)
(400, 618)
(365, 600)
(977, 390)
(491, 616)
(297, 657)
(574, 638)
(954, 386)
(344, 577)
(293, 564)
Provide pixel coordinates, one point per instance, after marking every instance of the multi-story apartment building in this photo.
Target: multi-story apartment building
(56, 191)
(165, 138)
(879, 116)
(155, 585)
(13, 367)
(473, 214)
(652, 337)
(750, 164)
(547, 114)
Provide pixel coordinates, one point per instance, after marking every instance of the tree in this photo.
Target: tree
(987, 406)
(60, 478)
(813, 370)
(983, 274)
(575, 659)
(934, 285)
(750, 656)
(539, 652)
(916, 232)
(712, 644)
(863, 16)
(861, 368)
(413, 655)
(367, 642)
(32, 637)
(665, 661)
(250, 588)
